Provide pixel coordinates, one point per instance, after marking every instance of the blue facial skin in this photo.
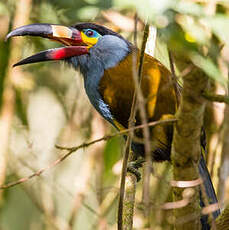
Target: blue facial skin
(107, 53)
(92, 33)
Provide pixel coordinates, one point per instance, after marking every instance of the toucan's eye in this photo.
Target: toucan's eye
(91, 33)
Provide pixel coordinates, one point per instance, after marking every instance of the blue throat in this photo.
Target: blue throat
(107, 53)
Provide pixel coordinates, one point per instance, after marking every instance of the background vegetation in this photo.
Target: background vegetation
(44, 105)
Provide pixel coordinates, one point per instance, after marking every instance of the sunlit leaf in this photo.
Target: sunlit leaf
(220, 26)
(91, 1)
(48, 13)
(161, 52)
(147, 9)
(208, 67)
(111, 155)
(189, 7)
(194, 31)
(88, 12)
(123, 4)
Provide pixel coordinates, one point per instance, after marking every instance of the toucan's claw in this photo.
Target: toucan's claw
(133, 167)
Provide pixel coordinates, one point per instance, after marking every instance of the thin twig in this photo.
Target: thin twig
(137, 97)
(137, 77)
(146, 132)
(126, 157)
(216, 97)
(135, 29)
(57, 186)
(73, 149)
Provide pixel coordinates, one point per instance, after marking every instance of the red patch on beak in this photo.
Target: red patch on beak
(67, 52)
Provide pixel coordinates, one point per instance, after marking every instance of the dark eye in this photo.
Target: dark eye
(90, 33)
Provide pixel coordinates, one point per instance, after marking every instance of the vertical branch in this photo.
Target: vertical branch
(223, 220)
(186, 146)
(8, 101)
(137, 77)
(124, 207)
(146, 132)
(129, 197)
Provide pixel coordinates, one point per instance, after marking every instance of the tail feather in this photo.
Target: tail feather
(210, 193)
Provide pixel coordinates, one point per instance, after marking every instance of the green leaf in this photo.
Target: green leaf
(185, 7)
(111, 155)
(208, 67)
(88, 12)
(92, 2)
(219, 24)
(3, 9)
(48, 13)
(147, 9)
(194, 31)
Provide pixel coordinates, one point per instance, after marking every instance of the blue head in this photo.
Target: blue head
(108, 50)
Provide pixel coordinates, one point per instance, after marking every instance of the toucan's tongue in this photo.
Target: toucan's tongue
(66, 35)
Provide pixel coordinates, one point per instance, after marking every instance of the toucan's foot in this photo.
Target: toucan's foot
(134, 171)
(133, 167)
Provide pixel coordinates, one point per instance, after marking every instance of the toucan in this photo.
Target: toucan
(105, 60)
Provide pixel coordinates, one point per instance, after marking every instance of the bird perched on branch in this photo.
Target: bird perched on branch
(105, 60)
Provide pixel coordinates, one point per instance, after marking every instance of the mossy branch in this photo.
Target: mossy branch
(222, 222)
(216, 97)
(186, 146)
(129, 201)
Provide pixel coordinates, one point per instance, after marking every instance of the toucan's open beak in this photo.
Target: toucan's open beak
(68, 36)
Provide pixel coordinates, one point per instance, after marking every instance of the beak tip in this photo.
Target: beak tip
(16, 64)
(7, 37)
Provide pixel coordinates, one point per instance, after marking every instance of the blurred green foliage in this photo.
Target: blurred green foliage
(51, 107)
